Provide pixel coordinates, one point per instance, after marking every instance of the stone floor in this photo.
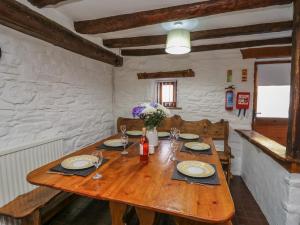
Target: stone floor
(83, 210)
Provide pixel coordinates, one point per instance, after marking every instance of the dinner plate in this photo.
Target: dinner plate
(196, 169)
(113, 143)
(134, 132)
(197, 146)
(188, 136)
(163, 134)
(79, 162)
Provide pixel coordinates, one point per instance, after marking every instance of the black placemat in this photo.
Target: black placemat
(164, 138)
(206, 152)
(134, 136)
(212, 180)
(189, 140)
(103, 146)
(83, 172)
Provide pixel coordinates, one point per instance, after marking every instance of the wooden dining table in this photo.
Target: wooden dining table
(147, 187)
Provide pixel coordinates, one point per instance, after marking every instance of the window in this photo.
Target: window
(273, 101)
(273, 90)
(167, 93)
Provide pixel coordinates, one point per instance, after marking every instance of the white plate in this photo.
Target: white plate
(196, 169)
(134, 132)
(113, 143)
(163, 134)
(79, 162)
(197, 146)
(188, 136)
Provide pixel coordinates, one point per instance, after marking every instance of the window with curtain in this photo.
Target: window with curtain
(167, 93)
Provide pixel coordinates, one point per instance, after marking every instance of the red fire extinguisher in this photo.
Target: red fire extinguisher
(229, 98)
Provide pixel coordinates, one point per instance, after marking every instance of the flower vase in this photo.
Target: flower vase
(153, 139)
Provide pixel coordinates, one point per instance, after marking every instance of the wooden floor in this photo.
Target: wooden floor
(83, 210)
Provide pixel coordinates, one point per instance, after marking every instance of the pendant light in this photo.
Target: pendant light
(178, 42)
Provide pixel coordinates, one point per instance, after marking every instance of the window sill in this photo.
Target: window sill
(174, 108)
(271, 148)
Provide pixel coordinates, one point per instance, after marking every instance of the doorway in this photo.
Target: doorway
(271, 99)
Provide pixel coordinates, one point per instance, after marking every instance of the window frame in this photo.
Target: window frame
(158, 87)
(254, 117)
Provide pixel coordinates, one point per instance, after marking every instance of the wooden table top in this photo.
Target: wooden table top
(148, 186)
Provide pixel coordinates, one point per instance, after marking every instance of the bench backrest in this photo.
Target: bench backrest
(204, 128)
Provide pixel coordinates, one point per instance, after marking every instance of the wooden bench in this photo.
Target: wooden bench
(204, 128)
(37, 206)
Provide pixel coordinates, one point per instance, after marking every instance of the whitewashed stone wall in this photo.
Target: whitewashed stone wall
(46, 91)
(276, 190)
(200, 97)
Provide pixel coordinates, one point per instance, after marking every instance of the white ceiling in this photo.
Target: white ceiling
(77, 10)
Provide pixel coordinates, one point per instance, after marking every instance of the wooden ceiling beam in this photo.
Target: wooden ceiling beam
(198, 35)
(267, 52)
(19, 17)
(44, 3)
(212, 47)
(188, 11)
(169, 74)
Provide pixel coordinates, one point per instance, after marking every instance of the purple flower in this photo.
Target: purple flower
(154, 104)
(136, 111)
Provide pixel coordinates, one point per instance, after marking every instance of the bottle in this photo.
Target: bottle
(144, 148)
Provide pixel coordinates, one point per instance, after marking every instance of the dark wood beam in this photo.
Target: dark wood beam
(43, 3)
(188, 11)
(202, 48)
(21, 18)
(267, 52)
(198, 35)
(170, 74)
(293, 139)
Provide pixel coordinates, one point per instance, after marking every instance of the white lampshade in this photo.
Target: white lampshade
(178, 42)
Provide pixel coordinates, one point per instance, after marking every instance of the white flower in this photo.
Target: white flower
(149, 110)
(164, 109)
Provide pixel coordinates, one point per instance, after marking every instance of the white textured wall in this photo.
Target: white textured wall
(276, 190)
(46, 91)
(200, 97)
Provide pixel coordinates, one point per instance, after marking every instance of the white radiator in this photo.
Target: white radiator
(16, 163)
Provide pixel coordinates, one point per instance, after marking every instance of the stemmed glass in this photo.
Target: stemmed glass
(172, 133)
(123, 129)
(174, 147)
(124, 140)
(175, 133)
(97, 164)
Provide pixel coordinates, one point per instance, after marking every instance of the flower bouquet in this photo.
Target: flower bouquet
(152, 114)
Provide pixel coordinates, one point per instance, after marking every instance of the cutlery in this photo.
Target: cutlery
(59, 173)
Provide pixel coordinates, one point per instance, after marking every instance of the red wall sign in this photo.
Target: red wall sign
(242, 100)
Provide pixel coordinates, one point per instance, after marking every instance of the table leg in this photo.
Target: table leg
(146, 217)
(117, 211)
(184, 221)
(33, 219)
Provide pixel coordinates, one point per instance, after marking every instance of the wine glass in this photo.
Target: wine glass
(174, 147)
(177, 134)
(123, 129)
(97, 163)
(124, 140)
(172, 133)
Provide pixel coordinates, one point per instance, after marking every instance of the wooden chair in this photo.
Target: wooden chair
(37, 206)
(220, 131)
